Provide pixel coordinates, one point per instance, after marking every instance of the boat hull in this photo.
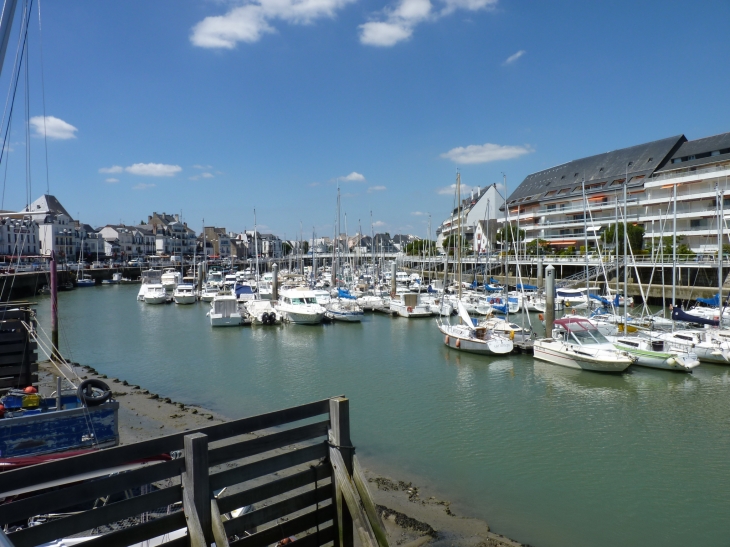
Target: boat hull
(218, 320)
(303, 318)
(493, 346)
(185, 299)
(346, 317)
(155, 300)
(556, 353)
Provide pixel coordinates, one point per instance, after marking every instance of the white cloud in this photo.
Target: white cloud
(451, 190)
(198, 166)
(419, 214)
(375, 189)
(143, 186)
(112, 169)
(352, 177)
(484, 153)
(396, 24)
(52, 127)
(207, 175)
(378, 224)
(512, 58)
(153, 169)
(250, 20)
(112, 181)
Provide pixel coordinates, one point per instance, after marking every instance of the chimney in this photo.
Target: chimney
(177, 217)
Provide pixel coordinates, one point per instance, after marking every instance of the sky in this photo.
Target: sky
(214, 108)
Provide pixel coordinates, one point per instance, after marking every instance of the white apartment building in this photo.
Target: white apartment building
(557, 204)
(480, 204)
(18, 237)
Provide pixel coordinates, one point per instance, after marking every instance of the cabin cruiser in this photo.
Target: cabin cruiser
(155, 294)
(370, 302)
(465, 336)
(656, 353)
(85, 281)
(409, 305)
(577, 343)
(208, 293)
(519, 335)
(704, 343)
(115, 280)
(184, 294)
(149, 277)
(262, 312)
(323, 297)
(244, 292)
(300, 306)
(215, 279)
(170, 279)
(224, 310)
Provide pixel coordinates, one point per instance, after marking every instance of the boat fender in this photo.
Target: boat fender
(87, 395)
(541, 317)
(2, 411)
(446, 339)
(410, 309)
(567, 303)
(671, 361)
(458, 343)
(511, 335)
(573, 311)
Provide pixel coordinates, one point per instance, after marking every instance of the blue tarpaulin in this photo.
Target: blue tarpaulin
(493, 281)
(679, 315)
(524, 287)
(430, 289)
(602, 300)
(500, 309)
(344, 293)
(714, 301)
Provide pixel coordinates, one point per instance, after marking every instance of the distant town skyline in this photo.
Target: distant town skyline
(209, 109)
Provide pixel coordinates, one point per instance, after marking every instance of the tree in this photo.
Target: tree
(452, 241)
(305, 247)
(531, 247)
(511, 234)
(420, 246)
(635, 236)
(286, 248)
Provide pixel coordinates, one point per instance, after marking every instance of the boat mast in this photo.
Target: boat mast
(256, 246)
(674, 249)
(585, 236)
(614, 302)
(720, 222)
(458, 234)
(506, 239)
(626, 253)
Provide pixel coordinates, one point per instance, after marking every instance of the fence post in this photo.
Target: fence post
(196, 488)
(339, 437)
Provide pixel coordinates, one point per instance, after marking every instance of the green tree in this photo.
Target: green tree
(531, 247)
(635, 236)
(511, 234)
(305, 247)
(452, 241)
(286, 248)
(420, 246)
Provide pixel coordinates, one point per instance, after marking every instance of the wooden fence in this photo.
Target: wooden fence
(299, 477)
(18, 358)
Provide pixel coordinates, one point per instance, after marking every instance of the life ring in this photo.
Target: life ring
(410, 309)
(446, 339)
(458, 343)
(89, 397)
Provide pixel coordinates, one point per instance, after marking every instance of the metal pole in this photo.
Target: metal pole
(720, 221)
(393, 270)
(626, 255)
(275, 282)
(55, 353)
(549, 300)
(539, 273)
(674, 248)
(6, 24)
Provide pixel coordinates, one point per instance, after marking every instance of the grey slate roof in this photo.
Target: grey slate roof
(48, 203)
(704, 148)
(602, 168)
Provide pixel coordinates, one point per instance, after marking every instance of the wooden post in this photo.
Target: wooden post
(339, 437)
(196, 487)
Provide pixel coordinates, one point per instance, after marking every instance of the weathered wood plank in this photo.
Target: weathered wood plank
(270, 465)
(277, 510)
(17, 369)
(7, 315)
(288, 528)
(141, 532)
(196, 483)
(15, 381)
(87, 520)
(339, 436)
(219, 532)
(280, 439)
(368, 503)
(13, 358)
(273, 488)
(13, 336)
(122, 454)
(56, 500)
(18, 347)
(343, 483)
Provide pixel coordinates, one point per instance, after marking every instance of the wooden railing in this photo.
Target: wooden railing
(306, 482)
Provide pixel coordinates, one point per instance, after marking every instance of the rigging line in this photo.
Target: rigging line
(28, 183)
(24, 34)
(5, 176)
(43, 94)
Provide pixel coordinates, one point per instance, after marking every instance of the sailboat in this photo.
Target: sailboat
(465, 335)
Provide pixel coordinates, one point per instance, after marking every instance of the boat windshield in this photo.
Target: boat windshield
(310, 300)
(589, 337)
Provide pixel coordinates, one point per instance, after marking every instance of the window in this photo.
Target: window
(697, 222)
(564, 191)
(551, 207)
(551, 193)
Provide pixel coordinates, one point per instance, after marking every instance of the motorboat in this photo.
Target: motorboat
(519, 335)
(215, 279)
(244, 291)
(224, 310)
(345, 310)
(370, 302)
(208, 293)
(656, 353)
(465, 336)
(229, 281)
(184, 293)
(707, 346)
(438, 305)
(262, 312)
(148, 277)
(577, 343)
(115, 280)
(170, 279)
(300, 306)
(155, 294)
(409, 305)
(85, 281)
(323, 297)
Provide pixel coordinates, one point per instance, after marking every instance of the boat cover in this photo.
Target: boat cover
(679, 315)
(493, 281)
(243, 289)
(714, 301)
(602, 300)
(345, 293)
(575, 324)
(524, 287)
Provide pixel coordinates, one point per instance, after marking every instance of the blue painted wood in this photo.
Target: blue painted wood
(56, 431)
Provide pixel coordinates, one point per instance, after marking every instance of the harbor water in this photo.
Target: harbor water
(546, 455)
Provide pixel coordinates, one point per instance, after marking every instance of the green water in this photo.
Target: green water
(547, 455)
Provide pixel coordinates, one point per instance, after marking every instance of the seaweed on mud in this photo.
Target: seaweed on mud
(406, 522)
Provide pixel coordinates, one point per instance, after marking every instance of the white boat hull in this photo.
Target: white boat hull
(346, 317)
(185, 299)
(492, 346)
(155, 299)
(218, 320)
(555, 352)
(303, 318)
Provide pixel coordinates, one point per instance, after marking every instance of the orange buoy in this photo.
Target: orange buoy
(458, 343)
(446, 340)
(541, 317)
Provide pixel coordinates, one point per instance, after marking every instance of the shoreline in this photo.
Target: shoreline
(412, 514)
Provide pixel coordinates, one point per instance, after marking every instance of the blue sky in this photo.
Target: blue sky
(214, 107)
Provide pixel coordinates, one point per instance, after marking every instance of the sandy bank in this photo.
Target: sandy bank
(412, 515)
